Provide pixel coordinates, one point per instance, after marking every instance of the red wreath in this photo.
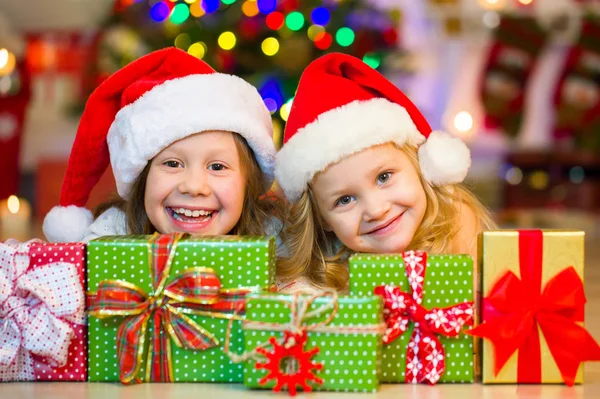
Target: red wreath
(291, 348)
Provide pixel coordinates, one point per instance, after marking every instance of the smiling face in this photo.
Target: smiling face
(196, 185)
(372, 200)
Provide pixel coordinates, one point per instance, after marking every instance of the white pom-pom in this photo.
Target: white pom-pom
(444, 159)
(67, 223)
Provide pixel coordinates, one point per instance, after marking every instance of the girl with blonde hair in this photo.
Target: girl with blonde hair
(364, 172)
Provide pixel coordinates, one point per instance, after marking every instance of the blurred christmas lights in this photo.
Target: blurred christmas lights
(270, 46)
(198, 50)
(463, 122)
(226, 40)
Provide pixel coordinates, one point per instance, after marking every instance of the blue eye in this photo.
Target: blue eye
(384, 177)
(172, 164)
(344, 200)
(217, 167)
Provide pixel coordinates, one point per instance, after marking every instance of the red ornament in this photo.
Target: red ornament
(292, 349)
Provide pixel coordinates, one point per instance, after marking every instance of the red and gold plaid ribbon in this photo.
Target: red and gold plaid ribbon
(193, 291)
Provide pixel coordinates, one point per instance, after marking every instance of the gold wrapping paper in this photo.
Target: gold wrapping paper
(499, 253)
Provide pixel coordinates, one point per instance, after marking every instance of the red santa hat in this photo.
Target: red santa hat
(140, 110)
(343, 106)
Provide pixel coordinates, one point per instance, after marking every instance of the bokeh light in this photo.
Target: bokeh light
(344, 36)
(320, 16)
(183, 41)
(463, 121)
(198, 50)
(266, 6)
(270, 46)
(180, 13)
(314, 30)
(275, 20)
(249, 8)
(372, 59)
(284, 112)
(210, 6)
(294, 20)
(323, 40)
(576, 174)
(514, 176)
(539, 180)
(160, 11)
(227, 40)
(270, 104)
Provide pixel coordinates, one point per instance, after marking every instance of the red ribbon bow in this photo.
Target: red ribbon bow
(514, 308)
(195, 291)
(425, 353)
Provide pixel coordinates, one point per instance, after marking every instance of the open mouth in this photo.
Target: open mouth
(186, 215)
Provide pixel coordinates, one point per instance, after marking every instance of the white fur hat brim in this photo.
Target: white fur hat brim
(184, 106)
(349, 129)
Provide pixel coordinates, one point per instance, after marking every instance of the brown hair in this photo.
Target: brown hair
(257, 209)
(317, 254)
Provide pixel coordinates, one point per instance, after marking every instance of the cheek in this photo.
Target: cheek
(157, 189)
(411, 193)
(231, 192)
(344, 226)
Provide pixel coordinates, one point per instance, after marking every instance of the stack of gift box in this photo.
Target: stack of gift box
(175, 308)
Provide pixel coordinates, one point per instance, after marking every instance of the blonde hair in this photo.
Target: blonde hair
(256, 211)
(317, 254)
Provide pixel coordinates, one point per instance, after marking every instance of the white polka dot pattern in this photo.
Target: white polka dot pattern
(239, 262)
(54, 275)
(350, 360)
(448, 281)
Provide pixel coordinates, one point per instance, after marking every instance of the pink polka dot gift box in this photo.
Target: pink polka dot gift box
(42, 311)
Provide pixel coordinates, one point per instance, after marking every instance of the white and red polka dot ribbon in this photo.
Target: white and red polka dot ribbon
(425, 360)
(38, 309)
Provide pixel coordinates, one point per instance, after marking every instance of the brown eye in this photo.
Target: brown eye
(217, 167)
(172, 164)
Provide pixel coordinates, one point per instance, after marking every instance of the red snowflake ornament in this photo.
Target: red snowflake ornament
(292, 349)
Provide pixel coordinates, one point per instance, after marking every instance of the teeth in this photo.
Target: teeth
(191, 213)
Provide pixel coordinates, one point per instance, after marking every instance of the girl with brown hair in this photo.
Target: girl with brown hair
(191, 151)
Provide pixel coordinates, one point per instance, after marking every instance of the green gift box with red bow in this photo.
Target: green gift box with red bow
(312, 342)
(159, 306)
(428, 302)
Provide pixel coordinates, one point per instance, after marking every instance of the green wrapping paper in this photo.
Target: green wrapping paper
(239, 262)
(350, 360)
(448, 281)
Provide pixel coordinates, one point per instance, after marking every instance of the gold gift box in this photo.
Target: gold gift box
(498, 254)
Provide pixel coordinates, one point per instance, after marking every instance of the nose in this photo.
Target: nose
(375, 206)
(194, 182)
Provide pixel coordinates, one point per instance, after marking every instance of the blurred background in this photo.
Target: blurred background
(518, 80)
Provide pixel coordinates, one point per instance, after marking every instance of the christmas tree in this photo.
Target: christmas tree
(266, 42)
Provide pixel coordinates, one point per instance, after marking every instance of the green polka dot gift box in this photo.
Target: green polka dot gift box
(428, 304)
(313, 343)
(159, 306)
